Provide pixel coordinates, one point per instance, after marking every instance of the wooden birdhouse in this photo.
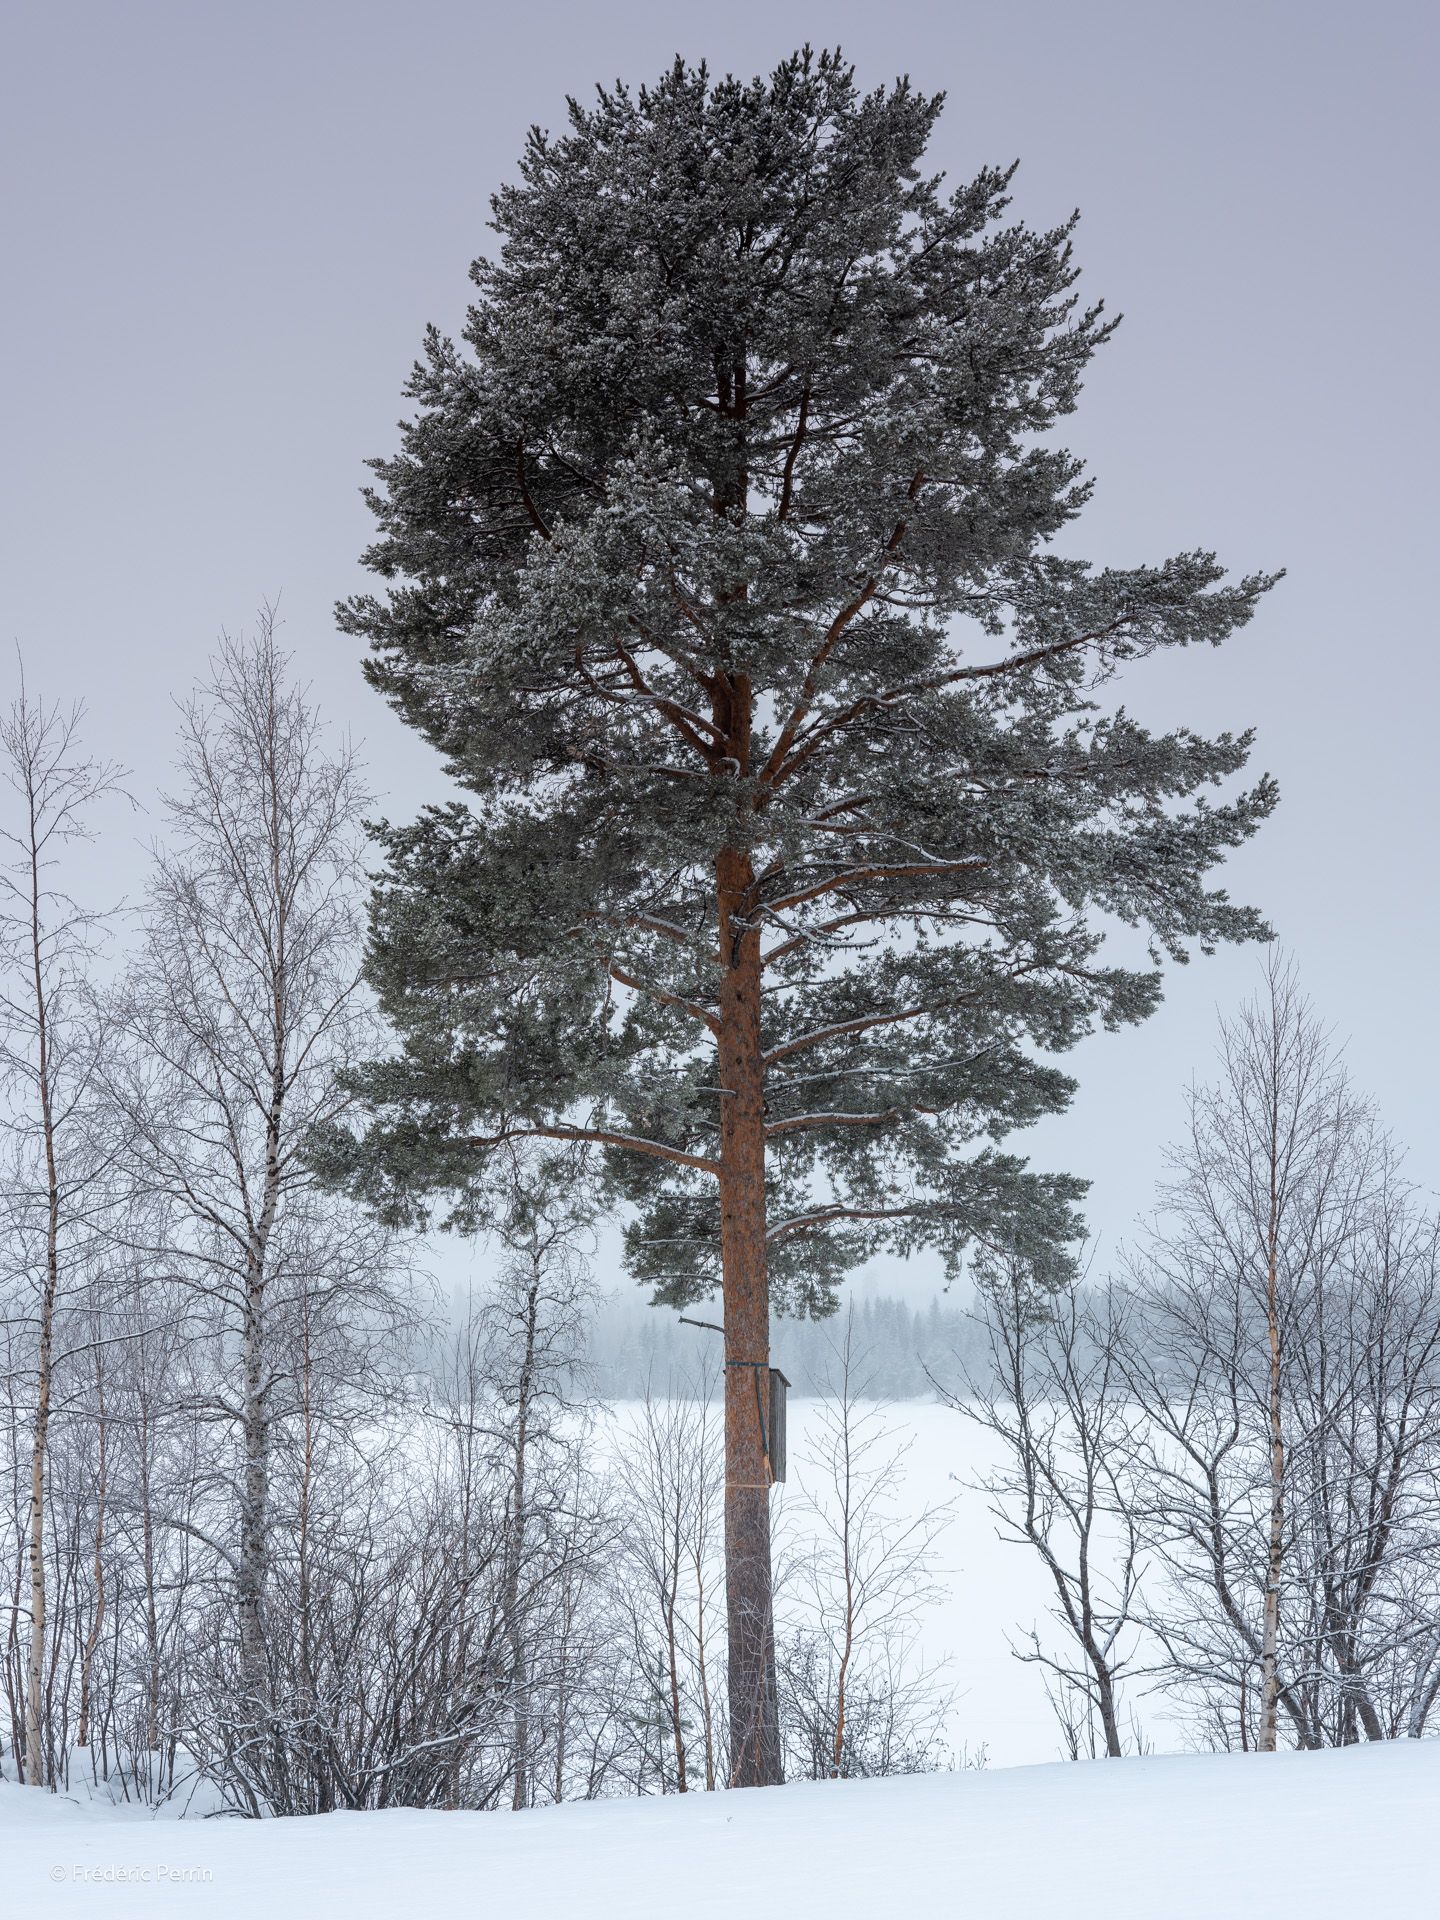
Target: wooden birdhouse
(775, 1425)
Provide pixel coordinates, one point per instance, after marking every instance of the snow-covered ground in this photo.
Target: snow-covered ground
(1159, 1838)
(1326, 1836)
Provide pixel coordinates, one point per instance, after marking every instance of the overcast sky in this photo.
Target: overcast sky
(225, 226)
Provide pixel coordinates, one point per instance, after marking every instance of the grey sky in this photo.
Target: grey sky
(224, 227)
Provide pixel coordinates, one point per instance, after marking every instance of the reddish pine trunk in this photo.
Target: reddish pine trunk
(755, 1759)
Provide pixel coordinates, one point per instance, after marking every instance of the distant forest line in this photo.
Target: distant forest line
(904, 1350)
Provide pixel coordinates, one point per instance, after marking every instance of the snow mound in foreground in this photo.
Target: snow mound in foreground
(1320, 1835)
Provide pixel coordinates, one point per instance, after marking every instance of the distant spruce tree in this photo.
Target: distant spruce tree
(720, 575)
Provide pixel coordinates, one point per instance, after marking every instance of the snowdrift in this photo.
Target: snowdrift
(1316, 1835)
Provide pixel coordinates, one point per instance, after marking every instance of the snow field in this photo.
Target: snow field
(1325, 1836)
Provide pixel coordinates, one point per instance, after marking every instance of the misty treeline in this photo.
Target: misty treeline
(636, 1348)
(1227, 1456)
(277, 1530)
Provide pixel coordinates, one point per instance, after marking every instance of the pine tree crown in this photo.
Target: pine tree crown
(728, 527)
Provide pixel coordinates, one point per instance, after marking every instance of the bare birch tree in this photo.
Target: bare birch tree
(668, 1484)
(1054, 1397)
(49, 1046)
(528, 1335)
(1231, 1281)
(241, 1004)
(857, 1698)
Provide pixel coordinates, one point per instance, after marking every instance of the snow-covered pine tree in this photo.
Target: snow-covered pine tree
(722, 578)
